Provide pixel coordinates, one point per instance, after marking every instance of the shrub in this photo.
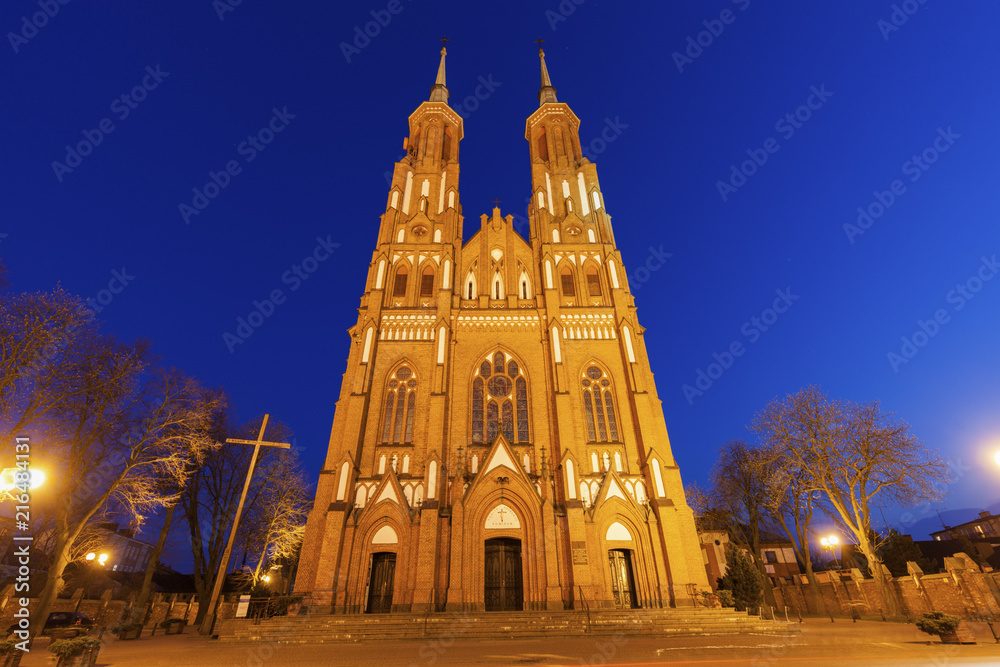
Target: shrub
(937, 623)
(67, 648)
(742, 578)
(281, 604)
(726, 598)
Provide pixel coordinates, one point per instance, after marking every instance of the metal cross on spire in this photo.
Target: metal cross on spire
(206, 626)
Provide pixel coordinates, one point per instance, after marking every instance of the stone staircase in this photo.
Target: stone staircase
(497, 625)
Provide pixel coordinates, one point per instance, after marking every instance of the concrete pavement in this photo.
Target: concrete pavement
(821, 644)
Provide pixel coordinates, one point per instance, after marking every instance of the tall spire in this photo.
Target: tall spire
(546, 93)
(439, 92)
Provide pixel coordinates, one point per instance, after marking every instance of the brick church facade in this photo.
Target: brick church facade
(498, 443)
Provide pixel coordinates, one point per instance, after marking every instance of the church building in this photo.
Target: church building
(498, 443)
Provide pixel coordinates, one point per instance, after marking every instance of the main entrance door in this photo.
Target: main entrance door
(380, 584)
(622, 581)
(504, 591)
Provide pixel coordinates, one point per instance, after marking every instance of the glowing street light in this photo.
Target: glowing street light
(102, 558)
(996, 458)
(266, 578)
(8, 480)
(830, 544)
(91, 556)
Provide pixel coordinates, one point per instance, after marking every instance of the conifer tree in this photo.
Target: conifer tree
(742, 578)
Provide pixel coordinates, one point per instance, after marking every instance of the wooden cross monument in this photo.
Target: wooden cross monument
(206, 626)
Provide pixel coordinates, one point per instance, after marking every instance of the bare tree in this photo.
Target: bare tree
(173, 487)
(858, 457)
(101, 418)
(742, 491)
(793, 508)
(278, 523)
(212, 492)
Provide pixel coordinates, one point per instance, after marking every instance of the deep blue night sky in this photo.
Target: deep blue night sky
(887, 93)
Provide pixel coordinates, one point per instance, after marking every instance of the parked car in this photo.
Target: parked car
(80, 624)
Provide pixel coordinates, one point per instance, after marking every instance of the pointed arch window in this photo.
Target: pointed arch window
(427, 282)
(593, 282)
(567, 282)
(542, 146)
(477, 409)
(446, 148)
(470, 286)
(599, 406)
(525, 285)
(400, 407)
(399, 284)
(500, 400)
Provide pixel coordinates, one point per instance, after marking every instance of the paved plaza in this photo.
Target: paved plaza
(819, 644)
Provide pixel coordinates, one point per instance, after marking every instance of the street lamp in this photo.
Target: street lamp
(100, 559)
(8, 480)
(830, 544)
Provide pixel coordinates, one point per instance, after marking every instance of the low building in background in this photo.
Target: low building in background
(987, 525)
(125, 553)
(776, 553)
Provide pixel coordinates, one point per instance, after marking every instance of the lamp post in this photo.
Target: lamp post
(8, 482)
(830, 544)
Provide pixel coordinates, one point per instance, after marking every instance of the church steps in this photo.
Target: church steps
(481, 625)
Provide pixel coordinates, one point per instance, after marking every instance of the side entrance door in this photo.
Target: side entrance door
(380, 585)
(622, 581)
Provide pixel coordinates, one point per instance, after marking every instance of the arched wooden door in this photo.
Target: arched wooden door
(504, 588)
(380, 583)
(622, 579)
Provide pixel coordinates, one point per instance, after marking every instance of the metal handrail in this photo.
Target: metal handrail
(586, 608)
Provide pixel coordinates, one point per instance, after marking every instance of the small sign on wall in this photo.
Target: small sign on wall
(579, 553)
(242, 606)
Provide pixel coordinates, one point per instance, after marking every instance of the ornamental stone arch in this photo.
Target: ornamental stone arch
(386, 507)
(604, 421)
(484, 390)
(399, 403)
(470, 513)
(622, 512)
